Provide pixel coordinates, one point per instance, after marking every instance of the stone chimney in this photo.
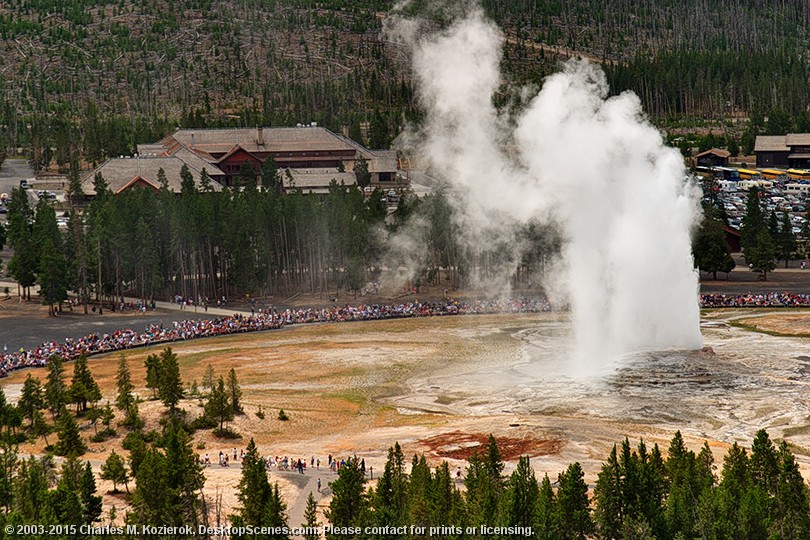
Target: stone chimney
(192, 140)
(260, 136)
(344, 130)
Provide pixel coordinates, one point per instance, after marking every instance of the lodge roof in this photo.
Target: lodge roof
(771, 143)
(715, 151)
(120, 173)
(797, 139)
(315, 180)
(261, 140)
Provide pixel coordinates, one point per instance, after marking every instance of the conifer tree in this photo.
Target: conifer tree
(151, 498)
(786, 239)
(31, 399)
(390, 500)
(546, 511)
(522, 495)
(69, 439)
(349, 506)
(254, 489)
(41, 427)
(91, 502)
(115, 471)
(234, 393)
(208, 380)
(420, 487)
(573, 508)
(65, 500)
(83, 387)
(184, 476)
(218, 407)
(124, 400)
(311, 519)
(8, 470)
(55, 389)
(791, 499)
(31, 501)
(170, 388)
(363, 177)
(484, 485)
(153, 375)
(609, 511)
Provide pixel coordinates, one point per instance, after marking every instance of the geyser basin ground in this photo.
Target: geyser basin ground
(439, 385)
(742, 382)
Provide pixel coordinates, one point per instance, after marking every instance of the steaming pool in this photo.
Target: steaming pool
(741, 381)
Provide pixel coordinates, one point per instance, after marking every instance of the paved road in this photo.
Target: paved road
(28, 333)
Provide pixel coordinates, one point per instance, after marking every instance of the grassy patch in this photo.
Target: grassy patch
(754, 328)
(354, 396)
(797, 430)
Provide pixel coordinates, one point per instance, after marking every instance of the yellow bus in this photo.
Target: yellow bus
(798, 174)
(774, 174)
(749, 174)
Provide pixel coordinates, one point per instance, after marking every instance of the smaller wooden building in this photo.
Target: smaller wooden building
(714, 157)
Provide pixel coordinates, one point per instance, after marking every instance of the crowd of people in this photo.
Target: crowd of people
(773, 299)
(286, 463)
(269, 319)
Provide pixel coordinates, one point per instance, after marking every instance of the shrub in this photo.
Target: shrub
(282, 415)
(226, 433)
(202, 422)
(260, 413)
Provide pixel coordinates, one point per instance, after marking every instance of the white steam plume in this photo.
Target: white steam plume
(592, 164)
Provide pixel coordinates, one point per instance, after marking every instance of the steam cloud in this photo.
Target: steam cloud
(591, 164)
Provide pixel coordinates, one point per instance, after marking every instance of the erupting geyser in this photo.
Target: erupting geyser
(592, 164)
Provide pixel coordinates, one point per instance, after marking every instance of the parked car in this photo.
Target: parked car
(24, 184)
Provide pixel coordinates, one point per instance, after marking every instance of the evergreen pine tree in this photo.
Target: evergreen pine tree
(254, 489)
(573, 518)
(234, 393)
(8, 468)
(390, 500)
(184, 476)
(115, 471)
(153, 375)
(361, 173)
(83, 387)
(170, 388)
(124, 400)
(547, 511)
(349, 506)
(91, 503)
(55, 389)
(609, 511)
(712, 252)
(311, 519)
(208, 380)
(31, 399)
(787, 240)
(152, 497)
(521, 499)
(41, 427)
(218, 407)
(70, 441)
(65, 499)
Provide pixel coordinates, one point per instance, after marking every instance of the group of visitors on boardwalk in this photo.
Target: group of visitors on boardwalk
(772, 299)
(269, 319)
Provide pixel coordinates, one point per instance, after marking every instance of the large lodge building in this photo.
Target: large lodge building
(783, 151)
(308, 157)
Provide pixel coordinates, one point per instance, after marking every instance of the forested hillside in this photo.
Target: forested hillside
(98, 76)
